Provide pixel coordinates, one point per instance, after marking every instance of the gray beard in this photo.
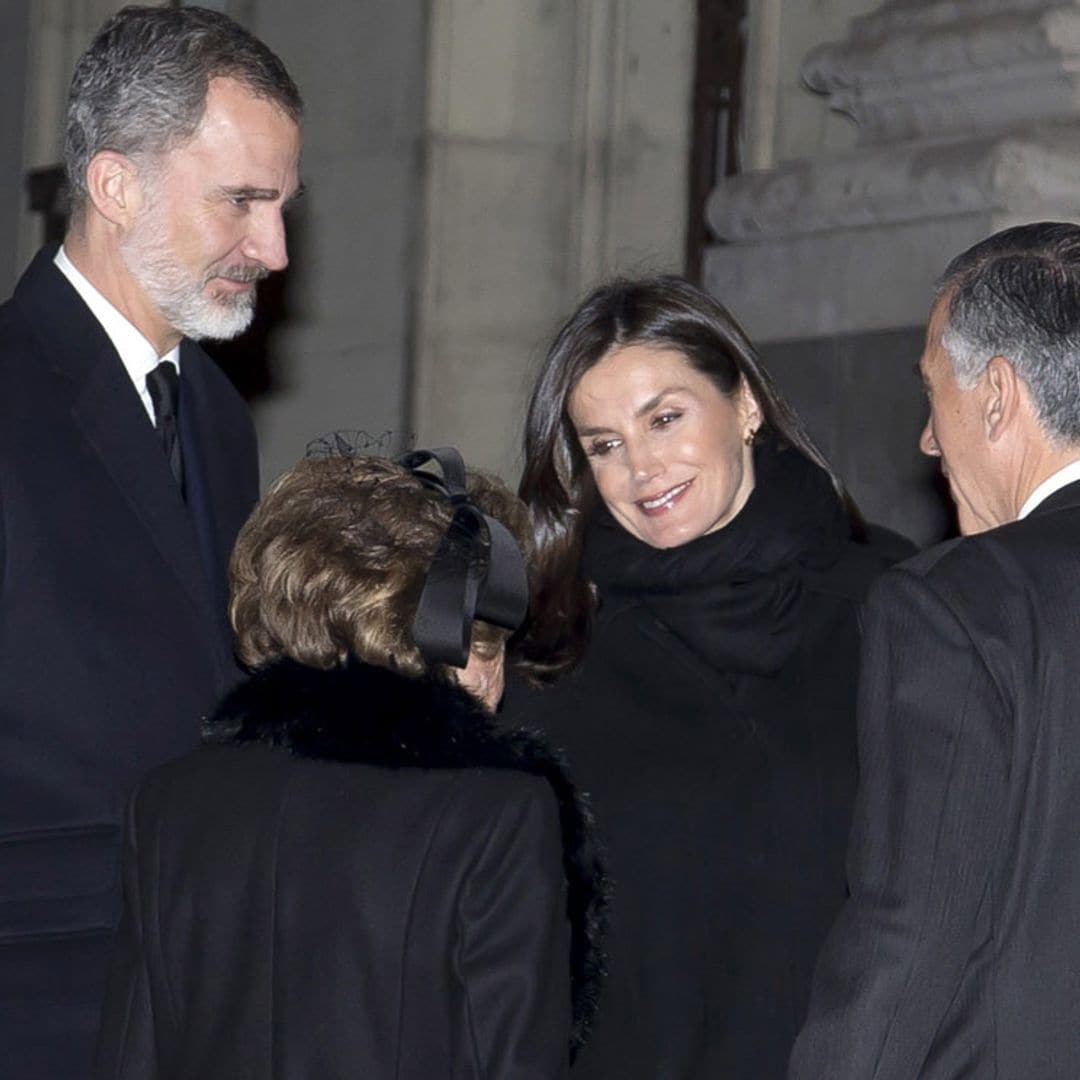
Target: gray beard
(179, 295)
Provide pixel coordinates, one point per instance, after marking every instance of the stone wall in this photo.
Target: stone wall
(556, 155)
(338, 356)
(14, 30)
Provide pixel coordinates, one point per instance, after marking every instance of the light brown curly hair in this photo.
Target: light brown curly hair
(332, 562)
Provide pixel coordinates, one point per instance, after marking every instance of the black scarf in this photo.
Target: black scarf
(374, 716)
(734, 596)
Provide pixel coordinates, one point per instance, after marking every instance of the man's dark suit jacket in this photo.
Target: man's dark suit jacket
(113, 641)
(958, 952)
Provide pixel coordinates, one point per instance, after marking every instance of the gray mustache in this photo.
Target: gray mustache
(244, 274)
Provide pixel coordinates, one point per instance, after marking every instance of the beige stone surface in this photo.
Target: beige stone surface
(556, 155)
(967, 117)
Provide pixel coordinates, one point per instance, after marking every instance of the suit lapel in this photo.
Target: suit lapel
(107, 411)
(113, 421)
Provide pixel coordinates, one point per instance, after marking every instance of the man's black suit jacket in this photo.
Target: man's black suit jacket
(958, 952)
(113, 640)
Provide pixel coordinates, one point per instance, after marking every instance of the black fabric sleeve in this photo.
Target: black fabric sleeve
(934, 746)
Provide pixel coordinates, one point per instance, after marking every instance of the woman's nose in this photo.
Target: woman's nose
(644, 462)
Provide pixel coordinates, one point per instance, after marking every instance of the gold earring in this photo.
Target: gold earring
(749, 437)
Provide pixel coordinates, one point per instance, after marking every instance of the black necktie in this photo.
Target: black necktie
(163, 383)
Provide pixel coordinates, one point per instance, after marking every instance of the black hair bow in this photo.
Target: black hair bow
(477, 573)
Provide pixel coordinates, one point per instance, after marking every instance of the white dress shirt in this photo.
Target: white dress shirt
(138, 355)
(1054, 482)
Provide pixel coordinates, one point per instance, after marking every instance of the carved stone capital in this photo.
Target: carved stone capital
(969, 119)
(1032, 170)
(921, 69)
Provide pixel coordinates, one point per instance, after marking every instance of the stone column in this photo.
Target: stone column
(14, 65)
(968, 118)
(58, 32)
(338, 357)
(556, 155)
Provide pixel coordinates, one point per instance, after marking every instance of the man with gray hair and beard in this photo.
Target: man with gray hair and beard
(127, 464)
(958, 950)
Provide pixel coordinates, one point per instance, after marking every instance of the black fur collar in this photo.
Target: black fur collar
(374, 716)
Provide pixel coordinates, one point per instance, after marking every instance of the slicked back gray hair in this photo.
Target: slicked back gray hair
(1017, 295)
(140, 88)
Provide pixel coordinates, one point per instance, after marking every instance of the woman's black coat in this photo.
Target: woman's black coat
(712, 724)
(365, 879)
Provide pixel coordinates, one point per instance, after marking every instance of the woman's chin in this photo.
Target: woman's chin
(667, 534)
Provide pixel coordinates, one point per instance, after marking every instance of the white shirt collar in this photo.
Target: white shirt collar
(1054, 482)
(139, 357)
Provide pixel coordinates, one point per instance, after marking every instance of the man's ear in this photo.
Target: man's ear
(1002, 399)
(114, 187)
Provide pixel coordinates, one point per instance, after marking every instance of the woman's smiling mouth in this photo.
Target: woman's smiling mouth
(662, 503)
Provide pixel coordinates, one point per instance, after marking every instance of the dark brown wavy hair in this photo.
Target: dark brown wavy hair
(557, 484)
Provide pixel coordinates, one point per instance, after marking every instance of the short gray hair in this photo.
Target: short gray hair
(140, 88)
(1017, 295)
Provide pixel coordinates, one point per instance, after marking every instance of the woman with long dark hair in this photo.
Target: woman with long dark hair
(699, 569)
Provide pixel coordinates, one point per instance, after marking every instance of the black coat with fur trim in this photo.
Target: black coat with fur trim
(362, 877)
